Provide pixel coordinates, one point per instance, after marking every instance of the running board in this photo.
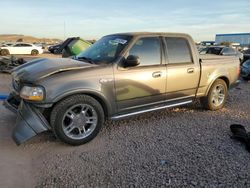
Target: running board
(149, 110)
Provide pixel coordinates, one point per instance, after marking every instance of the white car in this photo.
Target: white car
(21, 48)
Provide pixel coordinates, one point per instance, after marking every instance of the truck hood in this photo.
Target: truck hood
(41, 68)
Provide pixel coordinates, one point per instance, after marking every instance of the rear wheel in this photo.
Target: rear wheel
(216, 97)
(4, 52)
(77, 120)
(34, 52)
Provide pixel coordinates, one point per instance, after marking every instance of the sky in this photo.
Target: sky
(92, 19)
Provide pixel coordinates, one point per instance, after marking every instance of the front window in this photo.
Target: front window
(148, 50)
(106, 49)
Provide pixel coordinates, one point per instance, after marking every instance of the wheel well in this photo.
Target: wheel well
(104, 106)
(99, 99)
(225, 79)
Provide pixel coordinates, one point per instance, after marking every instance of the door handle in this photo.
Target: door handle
(156, 74)
(190, 70)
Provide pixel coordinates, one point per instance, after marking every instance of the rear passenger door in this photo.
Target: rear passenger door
(182, 72)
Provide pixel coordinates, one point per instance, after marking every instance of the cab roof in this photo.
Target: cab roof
(151, 33)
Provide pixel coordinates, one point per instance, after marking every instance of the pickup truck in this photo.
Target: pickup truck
(119, 76)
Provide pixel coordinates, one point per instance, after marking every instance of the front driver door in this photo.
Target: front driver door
(144, 84)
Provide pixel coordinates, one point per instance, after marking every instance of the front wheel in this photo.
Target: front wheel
(77, 120)
(216, 97)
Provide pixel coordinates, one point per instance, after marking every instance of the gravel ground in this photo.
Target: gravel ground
(180, 147)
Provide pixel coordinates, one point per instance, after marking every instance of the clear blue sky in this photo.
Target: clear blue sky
(93, 19)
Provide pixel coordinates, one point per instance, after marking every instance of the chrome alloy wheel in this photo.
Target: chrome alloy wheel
(218, 95)
(79, 121)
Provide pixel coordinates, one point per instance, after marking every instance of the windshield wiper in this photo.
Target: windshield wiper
(89, 60)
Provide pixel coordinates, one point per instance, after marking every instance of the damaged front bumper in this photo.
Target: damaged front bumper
(29, 123)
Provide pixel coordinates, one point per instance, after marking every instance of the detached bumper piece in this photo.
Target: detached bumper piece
(12, 103)
(29, 123)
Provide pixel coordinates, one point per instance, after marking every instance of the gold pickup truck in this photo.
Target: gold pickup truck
(119, 76)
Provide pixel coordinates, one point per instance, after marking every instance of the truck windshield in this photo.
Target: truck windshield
(105, 50)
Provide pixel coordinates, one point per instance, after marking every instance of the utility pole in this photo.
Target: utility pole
(64, 29)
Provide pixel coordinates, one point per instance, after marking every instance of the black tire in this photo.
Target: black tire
(58, 117)
(4, 52)
(34, 52)
(208, 102)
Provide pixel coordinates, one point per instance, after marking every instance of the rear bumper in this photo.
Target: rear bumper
(29, 122)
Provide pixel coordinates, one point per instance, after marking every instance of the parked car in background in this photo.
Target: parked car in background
(54, 49)
(222, 50)
(8, 44)
(21, 48)
(70, 47)
(245, 70)
(3, 45)
(246, 54)
(42, 45)
(119, 76)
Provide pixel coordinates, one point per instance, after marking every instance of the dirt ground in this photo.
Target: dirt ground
(185, 146)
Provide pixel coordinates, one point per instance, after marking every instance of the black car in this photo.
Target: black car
(246, 54)
(222, 50)
(55, 49)
(245, 70)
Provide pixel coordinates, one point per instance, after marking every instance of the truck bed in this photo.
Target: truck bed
(212, 65)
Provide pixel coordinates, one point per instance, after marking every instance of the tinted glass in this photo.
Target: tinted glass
(178, 50)
(148, 50)
(229, 51)
(211, 50)
(25, 45)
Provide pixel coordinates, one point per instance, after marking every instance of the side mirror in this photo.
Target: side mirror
(132, 61)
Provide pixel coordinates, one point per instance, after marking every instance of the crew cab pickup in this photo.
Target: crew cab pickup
(119, 76)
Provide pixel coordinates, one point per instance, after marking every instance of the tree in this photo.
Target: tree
(20, 40)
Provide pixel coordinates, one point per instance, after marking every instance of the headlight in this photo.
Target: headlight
(32, 93)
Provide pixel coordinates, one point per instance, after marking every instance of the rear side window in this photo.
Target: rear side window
(26, 45)
(178, 50)
(229, 51)
(148, 50)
